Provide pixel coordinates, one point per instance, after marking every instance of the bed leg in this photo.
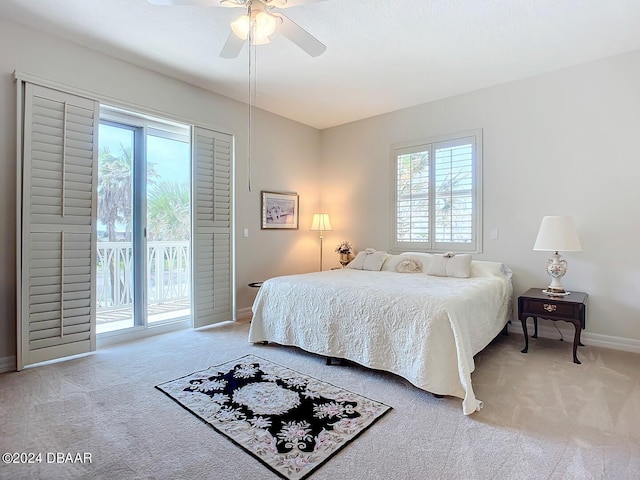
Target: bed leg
(334, 361)
(437, 395)
(505, 330)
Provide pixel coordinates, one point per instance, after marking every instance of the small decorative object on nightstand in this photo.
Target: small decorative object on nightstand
(345, 250)
(535, 303)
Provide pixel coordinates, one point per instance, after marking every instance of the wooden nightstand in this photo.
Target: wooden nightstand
(570, 308)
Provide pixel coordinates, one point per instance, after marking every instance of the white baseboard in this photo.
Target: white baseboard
(595, 339)
(8, 364)
(244, 314)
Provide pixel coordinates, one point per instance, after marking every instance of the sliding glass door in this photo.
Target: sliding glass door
(126, 264)
(115, 227)
(168, 226)
(144, 228)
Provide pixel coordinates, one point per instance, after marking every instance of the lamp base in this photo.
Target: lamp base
(553, 293)
(556, 268)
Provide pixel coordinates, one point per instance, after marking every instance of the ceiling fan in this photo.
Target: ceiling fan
(261, 20)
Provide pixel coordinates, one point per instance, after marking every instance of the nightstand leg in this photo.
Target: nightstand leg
(535, 327)
(526, 337)
(576, 342)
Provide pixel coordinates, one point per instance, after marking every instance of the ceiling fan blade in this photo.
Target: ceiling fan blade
(232, 46)
(300, 36)
(194, 3)
(288, 3)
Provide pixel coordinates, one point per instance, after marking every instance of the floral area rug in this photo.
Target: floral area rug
(289, 421)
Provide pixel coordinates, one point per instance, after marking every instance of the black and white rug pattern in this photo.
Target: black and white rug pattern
(291, 422)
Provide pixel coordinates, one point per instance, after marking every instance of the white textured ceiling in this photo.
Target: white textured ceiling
(382, 55)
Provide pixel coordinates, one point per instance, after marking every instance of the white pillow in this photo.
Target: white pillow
(409, 266)
(483, 268)
(368, 260)
(450, 265)
(394, 262)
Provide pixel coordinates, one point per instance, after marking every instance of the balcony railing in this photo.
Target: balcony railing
(168, 274)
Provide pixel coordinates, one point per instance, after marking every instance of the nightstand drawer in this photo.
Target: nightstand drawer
(543, 308)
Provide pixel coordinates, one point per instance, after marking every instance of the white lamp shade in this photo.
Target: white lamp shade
(266, 24)
(558, 233)
(241, 27)
(321, 222)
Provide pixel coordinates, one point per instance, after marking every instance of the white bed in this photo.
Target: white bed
(424, 328)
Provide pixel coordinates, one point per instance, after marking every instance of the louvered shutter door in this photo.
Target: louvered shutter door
(212, 262)
(58, 259)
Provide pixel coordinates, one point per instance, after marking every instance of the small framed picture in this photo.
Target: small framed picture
(279, 210)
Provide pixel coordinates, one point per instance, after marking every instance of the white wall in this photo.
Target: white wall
(561, 143)
(564, 143)
(286, 155)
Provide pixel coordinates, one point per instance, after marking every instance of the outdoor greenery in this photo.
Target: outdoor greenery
(167, 202)
(115, 191)
(168, 211)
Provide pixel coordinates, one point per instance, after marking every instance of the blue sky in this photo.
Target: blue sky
(171, 157)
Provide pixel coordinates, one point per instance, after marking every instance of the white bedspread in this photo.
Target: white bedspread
(426, 329)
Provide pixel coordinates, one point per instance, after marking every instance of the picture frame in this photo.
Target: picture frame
(279, 210)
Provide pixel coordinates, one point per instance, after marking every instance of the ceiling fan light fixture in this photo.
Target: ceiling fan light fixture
(259, 39)
(241, 27)
(265, 24)
(262, 24)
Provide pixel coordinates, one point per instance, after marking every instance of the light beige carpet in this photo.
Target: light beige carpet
(544, 417)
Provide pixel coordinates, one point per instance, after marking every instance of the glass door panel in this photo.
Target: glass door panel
(115, 223)
(168, 227)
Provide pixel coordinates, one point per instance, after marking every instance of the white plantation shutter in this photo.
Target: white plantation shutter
(213, 300)
(454, 206)
(57, 260)
(438, 201)
(412, 187)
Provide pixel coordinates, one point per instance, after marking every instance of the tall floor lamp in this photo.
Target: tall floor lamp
(321, 223)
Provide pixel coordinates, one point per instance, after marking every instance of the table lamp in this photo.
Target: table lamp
(557, 233)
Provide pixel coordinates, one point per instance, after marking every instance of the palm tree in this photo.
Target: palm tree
(114, 191)
(114, 204)
(168, 211)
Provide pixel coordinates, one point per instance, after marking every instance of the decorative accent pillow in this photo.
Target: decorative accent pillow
(420, 257)
(393, 261)
(450, 265)
(409, 266)
(391, 265)
(370, 259)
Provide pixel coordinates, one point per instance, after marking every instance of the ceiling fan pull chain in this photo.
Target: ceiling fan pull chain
(251, 93)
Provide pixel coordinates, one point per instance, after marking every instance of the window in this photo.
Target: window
(438, 194)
